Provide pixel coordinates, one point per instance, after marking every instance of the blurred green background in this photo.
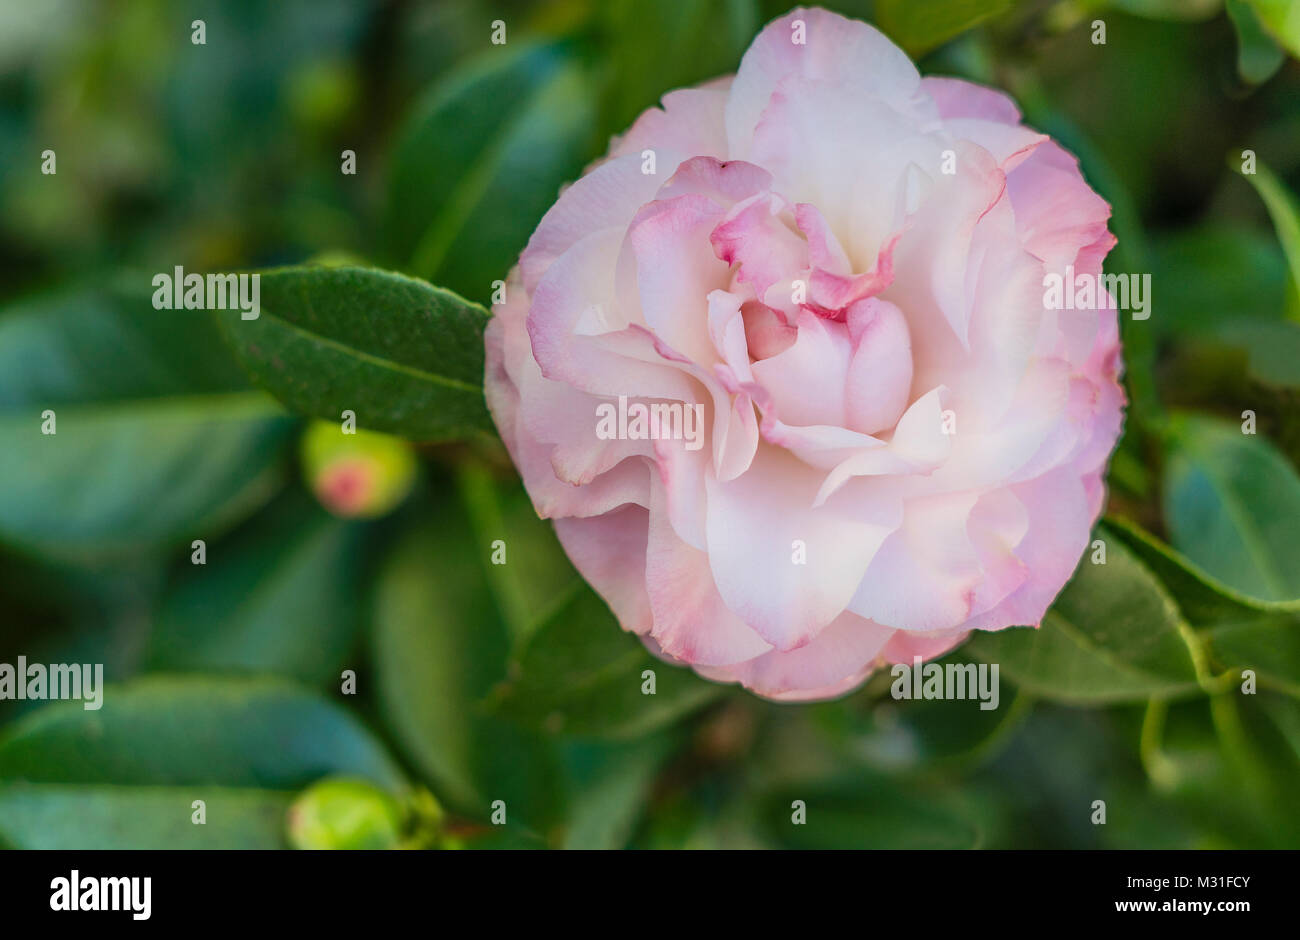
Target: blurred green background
(349, 668)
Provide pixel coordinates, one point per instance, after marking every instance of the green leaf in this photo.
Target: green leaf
(919, 27)
(1271, 729)
(481, 160)
(1176, 10)
(1284, 715)
(405, 356)
(1114, 635)
(81, 817)
(1268, 644)
(913, 733)
(126, 775)
(1282, 209)
(868, 812)
(613, 787)
(1206, 271)
(278, 596)
(118, 477)
(1244, 632)
(1239, 772)
(168, 731)
(157, 439)
(438, 647)
(100, 614)
(1282, 19)
(1258, 54)
(1272, 348)
(109, 344)
(1231, 501)
(658, 47)
(1204, 599)
(535, 573)
(581, 674)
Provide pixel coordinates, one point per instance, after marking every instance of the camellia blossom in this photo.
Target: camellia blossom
(844, 263)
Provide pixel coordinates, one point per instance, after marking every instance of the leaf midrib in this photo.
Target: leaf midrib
(371, 359)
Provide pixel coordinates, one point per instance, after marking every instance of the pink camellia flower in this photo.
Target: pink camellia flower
(844, 265)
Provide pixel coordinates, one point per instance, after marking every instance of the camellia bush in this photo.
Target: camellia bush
(702, 424)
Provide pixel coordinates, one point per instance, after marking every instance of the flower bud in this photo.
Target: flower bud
(342, 813)
(362, 474)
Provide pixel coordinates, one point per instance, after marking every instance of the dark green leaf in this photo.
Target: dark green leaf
(535, 574)
(127, 775)
(167, 731)
(278, 596)
(439, 645)
(1238, 770)
(658, 47)
(1177, 10)
(1203, 599)
(64, 816)
(919, 27)
(109, 344)
(1113, 635)
(158, 441)
(1267, 644)
(1272, 347)
(1245, 632)
(580, 673)
(405, 356)
(613, 787)
(910, 733)
(1281, 203)
(482, 159)
(1214, 276)
(123, 476)
(1231, 502)
(866, 812)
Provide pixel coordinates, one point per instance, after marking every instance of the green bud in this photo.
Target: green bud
(342, 813)
(357, 475)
